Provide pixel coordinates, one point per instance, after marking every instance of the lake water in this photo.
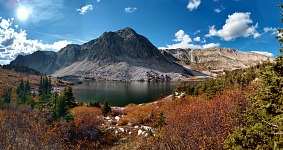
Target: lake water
(119, 93)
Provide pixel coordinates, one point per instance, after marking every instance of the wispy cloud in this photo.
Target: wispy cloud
(237, 25)
(198, 31)
(84, 9)
(193, 4)
(217, 10)
(130, 9)
(13, 43)
(272, 30)
(197, 39)
(43, 10)
(263, 53)
(184, 41)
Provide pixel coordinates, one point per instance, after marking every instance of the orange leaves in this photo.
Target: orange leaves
(3, 115)
(24, 128)
(198, 123)
(86, 120)
(86, 116)
(140, 114)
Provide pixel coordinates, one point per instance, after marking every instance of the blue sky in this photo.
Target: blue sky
(246, 25)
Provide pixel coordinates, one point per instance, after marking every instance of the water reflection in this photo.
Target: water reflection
(122, 93)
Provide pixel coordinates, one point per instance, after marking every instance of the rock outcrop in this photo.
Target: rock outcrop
(126, 55)
(216, 60)
(121, 55)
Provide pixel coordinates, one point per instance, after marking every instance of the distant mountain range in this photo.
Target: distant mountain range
(214, 61)
(126, 55)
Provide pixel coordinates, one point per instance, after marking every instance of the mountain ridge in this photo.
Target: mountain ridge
(127, 55)
(120, 55)
(215, 61)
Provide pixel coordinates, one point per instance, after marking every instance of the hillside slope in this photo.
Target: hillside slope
(120, 55)
(216, 60)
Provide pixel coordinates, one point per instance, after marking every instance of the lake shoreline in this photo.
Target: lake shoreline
(120, 93)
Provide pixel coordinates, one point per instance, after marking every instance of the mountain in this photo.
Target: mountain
(121, 55)
(215, 60)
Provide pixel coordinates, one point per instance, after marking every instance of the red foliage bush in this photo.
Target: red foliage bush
(195, 123)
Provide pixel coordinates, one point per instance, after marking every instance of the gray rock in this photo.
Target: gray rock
(121, 55)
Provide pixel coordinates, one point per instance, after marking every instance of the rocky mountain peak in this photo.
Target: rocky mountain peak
(127, 33)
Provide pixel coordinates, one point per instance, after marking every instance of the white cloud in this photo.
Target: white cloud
(211, 45)
(198, 31)
(217, 10)
(130, 9)
(197, 39)
(98, 1)
(193, 4)
(237, 25)
(263, 53)
(272, 30)
(16, 42)
(184, 41)
(84, 9)
(5, 24)
(56, 46)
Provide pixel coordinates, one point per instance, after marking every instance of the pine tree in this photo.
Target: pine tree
(24, 94)
(263, 128)
(40, 90)
(61, 109)
(27, 87)
(69, 97)
(21, 87)
(7, 96)
(45, 93)
(61, 105)
(106, 108)
(54, 102)
(160, 122)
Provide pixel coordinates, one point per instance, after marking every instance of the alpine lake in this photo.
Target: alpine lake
(121, 93)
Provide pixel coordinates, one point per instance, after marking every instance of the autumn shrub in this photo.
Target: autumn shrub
(117, 111)
(139, 114)
(196, 123)
(86, 120)
(23, 128)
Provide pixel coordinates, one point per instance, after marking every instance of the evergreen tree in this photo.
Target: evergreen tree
(54, 102)
(21, 87)
(27, 87)
(22, 93)
(40, 90)
(106, 108)
(69, 97)
(62, 103)
(45, 93)
(93, 104)
(160, 122)
(61, 109)
(263, 128)
(45, 87)
(7, 96)
(49, 86)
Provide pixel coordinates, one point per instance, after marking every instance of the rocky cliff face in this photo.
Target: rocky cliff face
(121, 55)
(216, 60)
